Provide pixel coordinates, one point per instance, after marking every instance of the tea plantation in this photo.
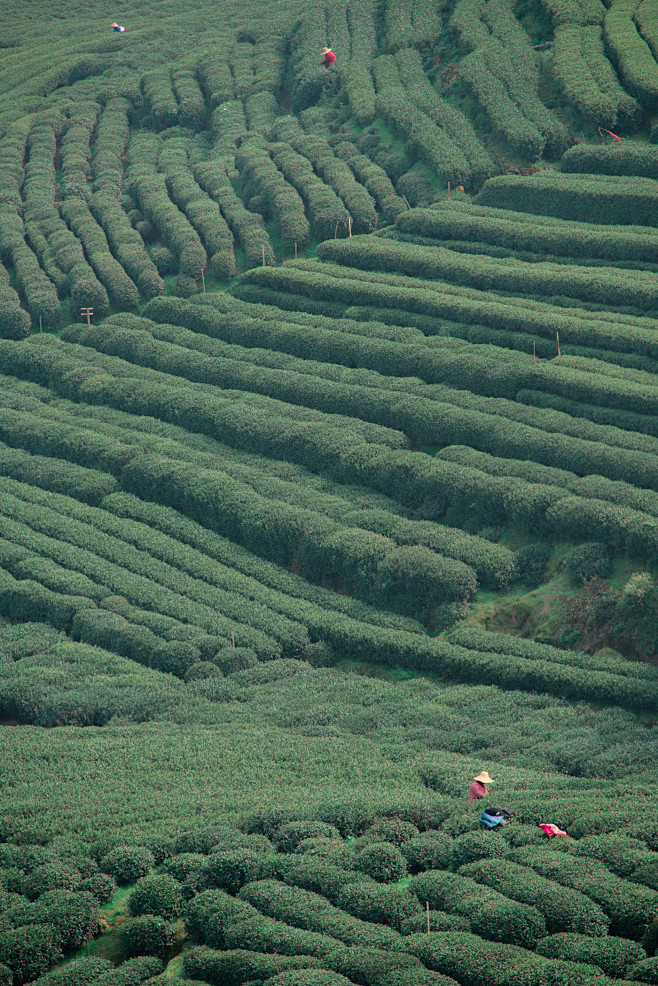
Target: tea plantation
(328, 479)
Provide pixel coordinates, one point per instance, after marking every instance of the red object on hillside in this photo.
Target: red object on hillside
(550, 829)
(611, 133)
(329, 57)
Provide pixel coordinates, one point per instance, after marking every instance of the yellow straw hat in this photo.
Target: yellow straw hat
(325, 50)
(484, 777)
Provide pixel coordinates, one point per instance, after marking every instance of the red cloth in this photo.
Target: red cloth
(328, 59)
(476, 791)
(550, 829)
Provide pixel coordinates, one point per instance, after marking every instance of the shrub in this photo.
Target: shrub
(381, 861)
(492, 915)
(101, 886)
(394, 830)
(429, 851)
(645, 971)
(127, 864)
(230, 869)
(29, 951)
(236, 966)
(588, 561)
(471, 846)
(308, 977)
(613, 955)
(382, 905)
(159, 895)
(146, 935)
(530, 564)
(289, 836)
(181, 865)
(439, 921)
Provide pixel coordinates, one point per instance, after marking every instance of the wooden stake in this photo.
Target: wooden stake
(88, 312)
(336, 230)
(427, 909)
(558, 343)
(349, 225)
(406, 200)
(295, 251)
(203, 281)
(448, 191)
(233, 637)
(263, 254)
(40, 324)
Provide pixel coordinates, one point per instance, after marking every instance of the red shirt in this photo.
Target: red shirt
(328, 59)
(476, 791)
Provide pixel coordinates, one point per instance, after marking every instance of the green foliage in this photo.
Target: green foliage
(614, 955)
(381, 861)
(127, 863)
(159, 895)
(146, 935)
(588, 561)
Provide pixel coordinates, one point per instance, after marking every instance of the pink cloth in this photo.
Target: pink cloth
(476, 791)
(551, 829)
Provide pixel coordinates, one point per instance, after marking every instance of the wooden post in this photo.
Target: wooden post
(448, 191)
(88, 312)
(40, 324)
(427, 911)
(295, 251)
(233, 638)
(349, 225)
(558, 343)
(406, 200)
(336, 230)
(263, 254)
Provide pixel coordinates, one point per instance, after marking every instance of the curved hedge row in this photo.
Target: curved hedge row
(175, 229)
(327, 212)
(308, 910)
(618, 159)
(633, 56)
(206, 218)
(563, 908)
(603, 285)
(523, 231)
(586, 77)
(160, 98)
(121, 290)
(261, 177)
(374, 179)
(492, 915)
(246, 227)
(582, 197)
(629, 906)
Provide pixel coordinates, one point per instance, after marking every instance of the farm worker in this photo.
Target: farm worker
(478, 788)
(329, 57)
(550, 829)
(117, 28)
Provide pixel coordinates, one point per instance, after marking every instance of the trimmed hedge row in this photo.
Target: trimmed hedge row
(586, 77)
(191, 104)
(520, 231)
(491, 914)
(246, 227)
(308, 910)
(334, 172)
(629, 906)
(356, 80)
(618, 159)
(160, 98)
(14, 320)
(261, 177)
(614, 956)
(325, 284)
(415, 23)
(374, 179)
(327, 212)
(121, 290)
(445, 115)
(581, 197)
(228, 124)
(207, 220)
(126, 243)
(174, 228)
(563, 908)
(603, 285)
(633, 56)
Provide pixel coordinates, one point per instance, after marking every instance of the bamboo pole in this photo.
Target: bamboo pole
(427, 911)
(557, 336)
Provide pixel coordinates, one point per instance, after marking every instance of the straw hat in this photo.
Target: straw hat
(114, 25)
(483, 777)
(325, 50)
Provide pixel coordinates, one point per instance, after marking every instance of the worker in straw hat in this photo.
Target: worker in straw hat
(329, 57)
(478, 788)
